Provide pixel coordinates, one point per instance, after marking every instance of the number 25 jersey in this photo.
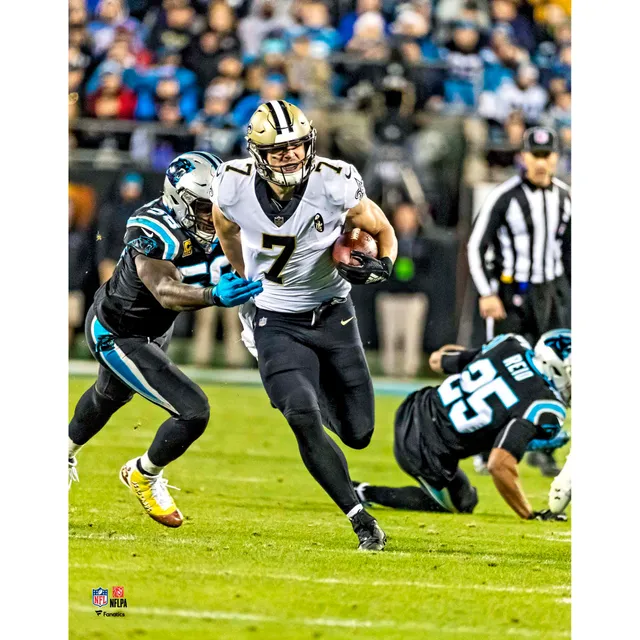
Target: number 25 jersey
(498, 397)
(290, 243)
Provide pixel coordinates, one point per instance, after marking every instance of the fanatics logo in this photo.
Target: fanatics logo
(540, 136)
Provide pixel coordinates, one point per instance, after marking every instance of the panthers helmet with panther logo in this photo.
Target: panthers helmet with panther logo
(553, 354)
(187, 192)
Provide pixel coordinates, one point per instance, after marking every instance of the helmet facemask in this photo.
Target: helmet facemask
(198, 217)
(277, 174)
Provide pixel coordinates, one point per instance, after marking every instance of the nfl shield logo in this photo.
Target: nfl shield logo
(100, 597)
(278, 221)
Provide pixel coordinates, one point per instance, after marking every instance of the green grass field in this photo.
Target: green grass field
(264, 553)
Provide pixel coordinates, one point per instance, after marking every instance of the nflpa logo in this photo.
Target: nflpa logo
(117, 592)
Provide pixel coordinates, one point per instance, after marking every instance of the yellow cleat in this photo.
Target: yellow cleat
(152, 493)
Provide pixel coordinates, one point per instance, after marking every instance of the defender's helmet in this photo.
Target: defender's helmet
(187, 192)
(275, 126)
(553, 356)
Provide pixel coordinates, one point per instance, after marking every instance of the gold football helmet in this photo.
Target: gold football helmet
(275, 126)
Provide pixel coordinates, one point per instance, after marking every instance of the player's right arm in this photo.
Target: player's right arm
(503, 468)
(228, 233)
(483, 232)
(164, 281)
(509, 448)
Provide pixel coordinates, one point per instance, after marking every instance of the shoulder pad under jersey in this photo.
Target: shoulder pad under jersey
(343, 183)
(154, 233)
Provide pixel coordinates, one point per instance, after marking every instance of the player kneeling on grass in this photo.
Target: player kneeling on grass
(171, 262)
(505, 397)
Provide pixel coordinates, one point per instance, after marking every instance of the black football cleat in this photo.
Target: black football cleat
(371, 536)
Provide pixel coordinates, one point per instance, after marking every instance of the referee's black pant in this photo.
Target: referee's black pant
(314, 371)
(533, 309)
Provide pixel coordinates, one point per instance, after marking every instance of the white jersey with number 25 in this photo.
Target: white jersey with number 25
(293, 253)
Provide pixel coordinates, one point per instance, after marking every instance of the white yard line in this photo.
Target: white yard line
(349, 623)
(549, 538)
(547, 590)
(389, 554)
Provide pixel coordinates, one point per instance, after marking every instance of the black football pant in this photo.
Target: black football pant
(536, 310)
(140, 365)
(314, 371)
(443, 486)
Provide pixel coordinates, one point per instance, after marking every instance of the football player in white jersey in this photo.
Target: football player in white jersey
(277, 215)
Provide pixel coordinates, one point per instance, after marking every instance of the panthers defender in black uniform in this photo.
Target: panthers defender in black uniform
(504, 397)
(171, 262)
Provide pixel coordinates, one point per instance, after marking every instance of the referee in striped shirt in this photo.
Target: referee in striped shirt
(519, 255)
(520, 246)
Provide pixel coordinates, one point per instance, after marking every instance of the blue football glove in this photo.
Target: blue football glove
(549, 445)
(233, 290)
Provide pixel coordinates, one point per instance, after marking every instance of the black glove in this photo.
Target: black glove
(548, 515)
(371, 270)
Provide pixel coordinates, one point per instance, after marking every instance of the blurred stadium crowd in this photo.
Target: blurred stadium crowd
(422, 96)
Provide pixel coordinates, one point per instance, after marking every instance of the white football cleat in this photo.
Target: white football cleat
(560, 491)
(73, 471)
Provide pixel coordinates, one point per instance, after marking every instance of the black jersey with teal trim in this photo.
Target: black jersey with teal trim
(473, 411)
(123, 303)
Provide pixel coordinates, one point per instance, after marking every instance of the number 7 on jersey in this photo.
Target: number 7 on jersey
(288, 244)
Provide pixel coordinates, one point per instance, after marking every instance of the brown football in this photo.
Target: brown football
(354, 240)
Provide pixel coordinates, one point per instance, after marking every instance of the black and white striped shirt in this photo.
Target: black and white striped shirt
(527, 229)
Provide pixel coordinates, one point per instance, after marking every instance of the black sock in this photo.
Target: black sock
(410, 498)
(174, 437)
(323, 458)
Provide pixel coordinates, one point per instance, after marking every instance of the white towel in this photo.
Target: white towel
(247, 313)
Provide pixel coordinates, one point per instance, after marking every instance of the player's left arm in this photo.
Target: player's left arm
(451, 358)
(367, 215)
